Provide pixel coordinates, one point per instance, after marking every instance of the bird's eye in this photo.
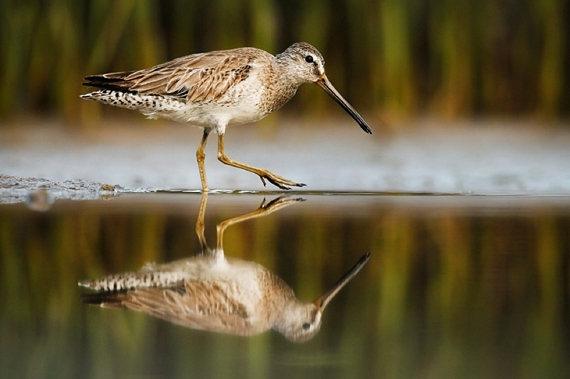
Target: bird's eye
(309, 59)
(306, 325)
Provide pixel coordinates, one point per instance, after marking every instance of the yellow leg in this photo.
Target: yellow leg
(200, 157)
(263, 210)
(200, 222)
(262, 173)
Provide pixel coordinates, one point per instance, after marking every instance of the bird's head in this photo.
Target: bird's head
(299, 321)
(305, 64)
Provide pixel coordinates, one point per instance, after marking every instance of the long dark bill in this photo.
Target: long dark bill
(325, 84)
(322, 302)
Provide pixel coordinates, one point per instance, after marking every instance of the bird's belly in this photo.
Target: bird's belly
(239, 280)
(210, 115)
(226, 269)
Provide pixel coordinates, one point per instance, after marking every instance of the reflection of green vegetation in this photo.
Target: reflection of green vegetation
(444, 295)
(395, 56)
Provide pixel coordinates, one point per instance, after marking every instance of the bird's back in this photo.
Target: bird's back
(204, 89)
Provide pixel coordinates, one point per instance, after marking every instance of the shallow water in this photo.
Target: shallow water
(456, 287)
(484, 157)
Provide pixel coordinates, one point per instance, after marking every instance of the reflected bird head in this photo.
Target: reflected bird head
(302, 321)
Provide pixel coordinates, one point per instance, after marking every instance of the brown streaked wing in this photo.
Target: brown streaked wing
(197, 305)
(196, 78)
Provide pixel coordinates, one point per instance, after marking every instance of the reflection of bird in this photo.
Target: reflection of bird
(218, 294)
(220, 88)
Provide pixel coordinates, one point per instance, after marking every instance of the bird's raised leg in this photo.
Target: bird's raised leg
(200, 157)
(263, 210)
(262, 173)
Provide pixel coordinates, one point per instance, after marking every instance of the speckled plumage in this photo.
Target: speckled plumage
(202, 292)
(217, 89)
(215, 293)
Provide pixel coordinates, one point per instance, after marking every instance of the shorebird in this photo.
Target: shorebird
(218, 294)
(220, 88)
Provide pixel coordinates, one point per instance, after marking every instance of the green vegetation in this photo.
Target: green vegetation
(390, 57)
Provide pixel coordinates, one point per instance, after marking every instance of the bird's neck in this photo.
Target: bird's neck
(280, 87)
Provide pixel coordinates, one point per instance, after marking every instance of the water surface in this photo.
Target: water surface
(456, 287)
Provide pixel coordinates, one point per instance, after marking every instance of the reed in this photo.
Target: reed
(391, 57)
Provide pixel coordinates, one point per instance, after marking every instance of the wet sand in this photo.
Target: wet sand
(425, 157)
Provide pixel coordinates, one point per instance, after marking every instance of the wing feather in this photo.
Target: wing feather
(194, 78)
(196, 305)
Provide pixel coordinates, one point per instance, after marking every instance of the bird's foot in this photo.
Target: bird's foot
(278, 203)
(278, 181)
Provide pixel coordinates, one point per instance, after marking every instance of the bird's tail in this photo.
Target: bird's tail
(115, 81)
(105, 299)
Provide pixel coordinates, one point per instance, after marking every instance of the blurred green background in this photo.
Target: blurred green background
(391, 58)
